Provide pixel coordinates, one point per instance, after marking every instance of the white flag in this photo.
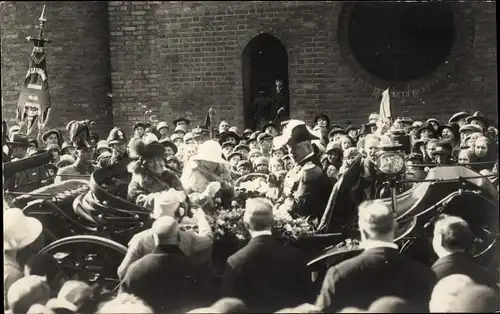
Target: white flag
(385, 106)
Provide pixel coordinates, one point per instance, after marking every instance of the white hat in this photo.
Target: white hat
(180, 128)
(19, 230)
(149, 138)
(210, 151)
(167, 203)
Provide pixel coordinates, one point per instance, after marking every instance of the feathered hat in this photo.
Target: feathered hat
(79, 133)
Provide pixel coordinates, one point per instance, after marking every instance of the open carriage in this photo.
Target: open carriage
(88, 223)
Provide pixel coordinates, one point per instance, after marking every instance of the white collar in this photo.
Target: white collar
(371, 244)
(255, 234)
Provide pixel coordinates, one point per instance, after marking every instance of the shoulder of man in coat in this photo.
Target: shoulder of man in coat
(310, 171)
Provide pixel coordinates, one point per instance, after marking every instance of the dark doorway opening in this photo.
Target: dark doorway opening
(400, 42)
(265, 60)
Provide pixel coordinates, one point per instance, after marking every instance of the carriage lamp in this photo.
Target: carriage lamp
(391, 160)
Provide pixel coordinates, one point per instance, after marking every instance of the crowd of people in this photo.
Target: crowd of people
(165, 268)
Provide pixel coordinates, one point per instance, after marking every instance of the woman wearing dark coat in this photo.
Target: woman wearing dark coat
(150, 176)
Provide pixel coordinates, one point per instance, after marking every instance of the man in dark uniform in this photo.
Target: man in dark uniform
(263, 106)
(116, 141)
(306, 186)
(279, 98)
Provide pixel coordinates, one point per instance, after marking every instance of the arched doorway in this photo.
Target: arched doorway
(265, 60)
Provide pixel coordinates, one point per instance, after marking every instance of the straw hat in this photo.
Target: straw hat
(210, 151)
(19, 230)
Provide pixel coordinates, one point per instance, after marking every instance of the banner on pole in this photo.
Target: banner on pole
(34, 98)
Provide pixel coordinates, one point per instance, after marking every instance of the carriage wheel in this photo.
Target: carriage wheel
(89, 258)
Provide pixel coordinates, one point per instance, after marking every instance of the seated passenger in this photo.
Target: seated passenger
(150, 176)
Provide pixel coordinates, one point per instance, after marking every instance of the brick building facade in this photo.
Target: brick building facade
(180, 58)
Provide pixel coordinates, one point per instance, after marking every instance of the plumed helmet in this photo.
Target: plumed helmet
(79, 134)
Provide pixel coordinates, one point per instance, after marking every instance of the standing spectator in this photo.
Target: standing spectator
(165, 278)
(22, 238)
(459, 118)
(265, 141)
(380, 270)
(266, 274)
(163, 129)
(117, 142)
(452, 241)
(465, 157)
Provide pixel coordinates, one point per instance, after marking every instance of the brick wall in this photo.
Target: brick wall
(77, 59)
(180, 58)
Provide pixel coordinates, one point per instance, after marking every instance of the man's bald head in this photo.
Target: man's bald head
(258, 214)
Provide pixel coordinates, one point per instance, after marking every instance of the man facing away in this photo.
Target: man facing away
(266, 274)
(380, 270)
(452, 239)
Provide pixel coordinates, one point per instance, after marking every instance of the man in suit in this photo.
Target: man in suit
(165, 279)
(380, 270)
(452, 239)
(266, 274)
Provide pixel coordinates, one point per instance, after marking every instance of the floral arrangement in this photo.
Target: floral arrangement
(229, 225)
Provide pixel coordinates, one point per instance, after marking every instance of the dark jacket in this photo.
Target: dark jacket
(462, 263)
(267, 275)
(163, 279)
(309, 187)
(375, 273)
(142, 187)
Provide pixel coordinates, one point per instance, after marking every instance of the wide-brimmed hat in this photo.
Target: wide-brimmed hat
(433, 120)
(18, 139)
(227, 144)
(426, 126)
(477, 116)
(253, 137)
(233, 154)
(224, 136)
(116, 136)
(139, 124)
(176, 137)
(416, 125)
(268, 124)
(147, 151)
(351, 128)
(180, 129)
(210, 151)
(458, 116)
(247, 132)
(179, 119)
(149, 138)
(52, 131)
(261, 161)
(188, 136)
(254, 151)
(264, 136)
(324, 116)
(167, 143)
(471, 128)
(295, 132)
(242, 146)
(19, 230)
(162, 125)
(333, 146)
(336, 130)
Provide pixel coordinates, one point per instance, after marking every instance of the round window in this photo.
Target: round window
(398, 43)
